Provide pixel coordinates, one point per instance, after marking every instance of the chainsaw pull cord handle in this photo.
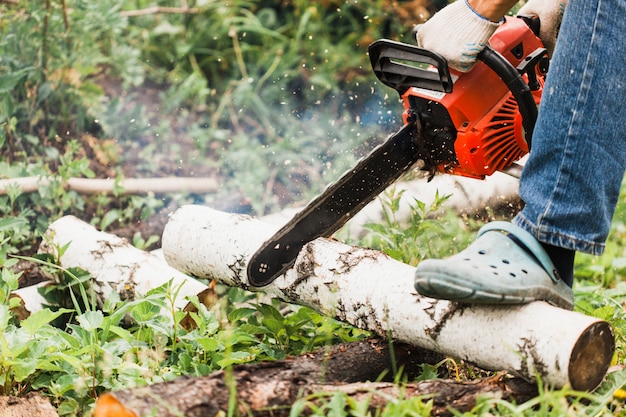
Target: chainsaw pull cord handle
(518, 87)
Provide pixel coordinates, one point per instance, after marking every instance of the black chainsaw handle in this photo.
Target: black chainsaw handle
(518, 87)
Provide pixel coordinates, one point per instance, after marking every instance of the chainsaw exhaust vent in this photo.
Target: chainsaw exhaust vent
(503, 142)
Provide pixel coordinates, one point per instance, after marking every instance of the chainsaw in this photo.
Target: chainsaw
(470, 124)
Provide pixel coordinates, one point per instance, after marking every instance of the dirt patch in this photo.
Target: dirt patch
(31, 405)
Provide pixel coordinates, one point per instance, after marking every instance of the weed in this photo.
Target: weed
(419, 234)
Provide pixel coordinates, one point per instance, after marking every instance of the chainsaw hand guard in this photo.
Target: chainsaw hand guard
(402, 66)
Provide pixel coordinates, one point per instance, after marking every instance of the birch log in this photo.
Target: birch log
(30, 299)
(371, 291)
(114, 264)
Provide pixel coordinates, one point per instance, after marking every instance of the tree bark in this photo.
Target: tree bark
(272, 388)
(369, 290)
(114, 264)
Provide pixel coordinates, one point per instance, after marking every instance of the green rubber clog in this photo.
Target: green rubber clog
(495, 270)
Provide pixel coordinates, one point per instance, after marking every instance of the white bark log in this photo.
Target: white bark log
(114, 263)
(371, 291)
(30, 298)
(124, 186)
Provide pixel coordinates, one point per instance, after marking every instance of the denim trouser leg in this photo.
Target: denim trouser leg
(572, 178)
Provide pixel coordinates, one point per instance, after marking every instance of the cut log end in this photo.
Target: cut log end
(109, 406)
(591, 356)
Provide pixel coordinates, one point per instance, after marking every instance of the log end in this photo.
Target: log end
(109, 406)
(591, 356)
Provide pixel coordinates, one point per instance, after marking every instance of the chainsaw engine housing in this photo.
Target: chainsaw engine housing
(471, 122)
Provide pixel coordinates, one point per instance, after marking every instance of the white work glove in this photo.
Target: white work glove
(550, 14)
(457, 33)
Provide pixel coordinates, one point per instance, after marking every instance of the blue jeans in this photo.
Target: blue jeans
(571, 181)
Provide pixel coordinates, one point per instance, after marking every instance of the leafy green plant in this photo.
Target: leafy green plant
(290, 330)
(417, 235)
(28, 347)
(130, 343)
(340, 404)
(69, 46)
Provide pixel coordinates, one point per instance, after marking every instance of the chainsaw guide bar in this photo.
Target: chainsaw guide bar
(331, 209)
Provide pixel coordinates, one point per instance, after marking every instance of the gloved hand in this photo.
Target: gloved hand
(550, 14)
(458, 33)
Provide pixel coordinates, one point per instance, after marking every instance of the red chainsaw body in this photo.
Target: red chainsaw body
(481, 108)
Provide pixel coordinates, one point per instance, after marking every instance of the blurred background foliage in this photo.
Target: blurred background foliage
(274, 97)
